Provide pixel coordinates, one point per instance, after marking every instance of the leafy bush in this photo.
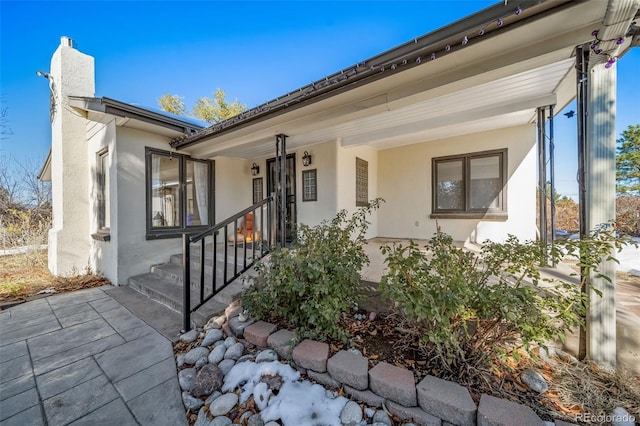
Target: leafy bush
(314, 282)
(471, 306)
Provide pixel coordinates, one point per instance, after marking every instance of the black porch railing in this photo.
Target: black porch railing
(241, 248)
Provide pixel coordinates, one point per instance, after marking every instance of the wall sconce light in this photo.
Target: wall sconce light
(255, 169)
(306, 159)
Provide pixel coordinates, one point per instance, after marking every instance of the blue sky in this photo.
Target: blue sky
(255, 51)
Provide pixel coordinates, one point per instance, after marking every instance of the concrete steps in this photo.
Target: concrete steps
(164, 283)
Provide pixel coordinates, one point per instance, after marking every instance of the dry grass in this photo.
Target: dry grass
(585, 388)
(24, 275)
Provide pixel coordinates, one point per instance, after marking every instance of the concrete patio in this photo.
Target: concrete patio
(82, 358)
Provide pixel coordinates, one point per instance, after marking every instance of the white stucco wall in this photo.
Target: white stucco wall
(324, 160)
(103, 254)
(404, 181)
(233, 185)
(69, 237)
(346, 181)
(136, 254)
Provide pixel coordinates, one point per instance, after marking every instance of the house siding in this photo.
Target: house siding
(324, 160)
(103, 254)
(404, 181)
(138, 252)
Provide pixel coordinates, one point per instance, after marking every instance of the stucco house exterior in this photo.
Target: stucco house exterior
(446, 128)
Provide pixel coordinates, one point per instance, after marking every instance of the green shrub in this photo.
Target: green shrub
(472, 306)
(314, 282)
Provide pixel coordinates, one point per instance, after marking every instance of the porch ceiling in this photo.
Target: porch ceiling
(505, 102)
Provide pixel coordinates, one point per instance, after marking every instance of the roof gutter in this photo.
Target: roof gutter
(125, 110)
(460, 34)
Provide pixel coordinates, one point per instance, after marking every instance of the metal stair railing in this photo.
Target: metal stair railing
(259, 241)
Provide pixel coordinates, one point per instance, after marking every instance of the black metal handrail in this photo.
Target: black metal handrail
(260, 247)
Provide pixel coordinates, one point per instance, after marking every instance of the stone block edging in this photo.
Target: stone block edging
(432, 402)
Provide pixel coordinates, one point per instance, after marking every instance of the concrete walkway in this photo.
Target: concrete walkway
(82, 358)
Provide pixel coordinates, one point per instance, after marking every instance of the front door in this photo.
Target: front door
(290, 184)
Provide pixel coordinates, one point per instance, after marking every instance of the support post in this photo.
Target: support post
(186, 283)
(582, 77)
(281, 170)
(542, 182)
(601, 207)
(552, 179)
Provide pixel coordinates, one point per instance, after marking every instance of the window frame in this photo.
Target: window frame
(362, 202)
(499, 213)
(152, 232)
(103, 232)
(255, 195)
(314, 174)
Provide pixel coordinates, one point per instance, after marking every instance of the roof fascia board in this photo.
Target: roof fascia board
(45, 170)
(370, 70)
(121, 109)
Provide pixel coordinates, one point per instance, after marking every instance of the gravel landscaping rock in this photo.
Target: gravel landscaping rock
(217, 354)
(191, 403)
(221, 421)
(234, 351)
(267, 355)
(208, 380)
(534, 380)
(226, 365)
(195, 354)
(351, 414)
(211, 337)
(382, 417)
(186, 378)
(223, 404)
(189, 336)
(230, 341)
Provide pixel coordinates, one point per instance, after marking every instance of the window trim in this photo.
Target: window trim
(154, 233)
(254, 182)
(103, 233)
(314, 173)
(498, 214)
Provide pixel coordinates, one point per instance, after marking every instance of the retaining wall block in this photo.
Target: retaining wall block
(447, 400)
(258, 333)
(312, 355)
(416, 414)
(494, 411)
(393, 383)
(349, 368)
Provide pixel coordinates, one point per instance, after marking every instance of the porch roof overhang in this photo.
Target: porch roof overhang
(477, 82)
(128, 115)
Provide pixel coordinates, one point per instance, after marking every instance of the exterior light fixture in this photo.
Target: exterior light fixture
(306, 159)
(610, 63)
(255, 169)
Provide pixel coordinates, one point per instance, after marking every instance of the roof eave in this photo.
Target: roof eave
(121, 109)
(401, 58)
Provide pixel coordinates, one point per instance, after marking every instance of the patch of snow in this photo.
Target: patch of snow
(297, 402)
(304, 403)
(248, 374)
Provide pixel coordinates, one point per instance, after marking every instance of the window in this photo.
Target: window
(309, 185)
(470, 185)
(179, 193)
(362, 182)
(102, 195)
(257, 190)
